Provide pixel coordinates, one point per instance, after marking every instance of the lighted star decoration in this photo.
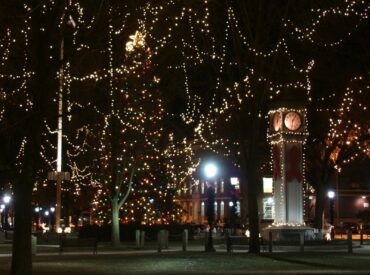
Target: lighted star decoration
(138, 40)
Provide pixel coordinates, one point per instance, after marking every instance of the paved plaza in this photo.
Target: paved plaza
(327, 259)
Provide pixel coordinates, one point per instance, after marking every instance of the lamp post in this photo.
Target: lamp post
(6, 200)
(210, 170)
(37, 211)
(331, 196)
(52, 222)
(2, 212)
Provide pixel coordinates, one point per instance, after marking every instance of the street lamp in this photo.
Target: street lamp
(331, 196)
(37, 211)
(52, 210)
(210, 170)
(2, 209)
(6, 200)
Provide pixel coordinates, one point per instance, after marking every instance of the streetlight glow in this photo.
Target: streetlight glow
(210, 170)
(6, 199)
(331, 194)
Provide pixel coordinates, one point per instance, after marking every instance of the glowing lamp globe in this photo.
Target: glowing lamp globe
(6, 199)
(210, 170)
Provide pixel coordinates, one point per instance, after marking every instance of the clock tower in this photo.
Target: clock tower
(287, 134)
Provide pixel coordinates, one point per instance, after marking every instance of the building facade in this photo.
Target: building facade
(193, 198)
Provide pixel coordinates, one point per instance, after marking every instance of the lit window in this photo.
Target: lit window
(216, 206)
(267, 185)
(202, 187)
(222, 210)
(268, 208)
(202, 213)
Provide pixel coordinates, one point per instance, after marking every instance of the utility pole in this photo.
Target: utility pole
(59, 176)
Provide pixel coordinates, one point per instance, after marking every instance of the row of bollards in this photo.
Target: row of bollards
(163, 236)
(140, 238)
(162, 239)
(301, 242)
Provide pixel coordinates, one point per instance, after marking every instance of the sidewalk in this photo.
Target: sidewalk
(323, 259)
(172, 262)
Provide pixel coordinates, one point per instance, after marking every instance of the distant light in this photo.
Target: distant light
(59, 230)
(331, 194)
(363, 197)
(231, 204)
(267, 185)
(2, 206)
(310, 197)
(6, 199)
(270, 200)
(210, 170)
(52, 209)
(37, 209)
(67, 230)
(46, 213)
(234, 181)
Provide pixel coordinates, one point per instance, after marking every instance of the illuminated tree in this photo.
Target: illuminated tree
(230, 54)
(28, 84)
(130, 131)
(347, 140)
(238, 57)
(153, 198)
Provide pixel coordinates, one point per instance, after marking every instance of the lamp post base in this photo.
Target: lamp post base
(209, 243)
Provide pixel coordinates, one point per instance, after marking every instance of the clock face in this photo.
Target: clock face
(276, 122)
(292, 121)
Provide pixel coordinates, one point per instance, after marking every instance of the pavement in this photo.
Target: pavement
(331, 258)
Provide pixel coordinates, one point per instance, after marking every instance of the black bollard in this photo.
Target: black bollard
(301, 241)
(349, 240)
(270, 241)
(185, 238)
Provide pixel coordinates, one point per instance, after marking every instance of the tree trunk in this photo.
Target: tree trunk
(22, 253)
(319, 206)
(115, 238)
(250, 174)
(254, 244)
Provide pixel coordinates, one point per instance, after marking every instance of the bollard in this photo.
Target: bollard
(137, 238)
(185, 238)
(34, 244)
(228, 242)
(206, 241)
(349, 240)
(142, 239)
(165, 236)
(301, 241)
(270, 241)
(160, 240)
(361, 237)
